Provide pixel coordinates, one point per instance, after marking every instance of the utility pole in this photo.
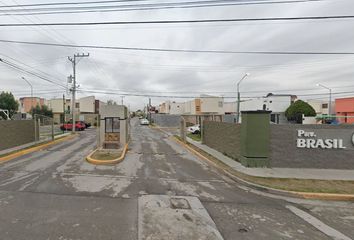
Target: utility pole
(149, 109)
(63, 110)
(73, 61)
(239, 97)
(31, 93)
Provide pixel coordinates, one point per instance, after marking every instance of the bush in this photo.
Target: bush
(296, 109)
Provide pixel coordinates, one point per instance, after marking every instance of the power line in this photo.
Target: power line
(179, 21)
(191, 96)
(16, 67)
(177, 50)
(144, 7)
(70, 3)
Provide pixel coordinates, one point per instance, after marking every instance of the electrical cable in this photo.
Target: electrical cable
(115, 8)
(177, 50)
(343, 17)
(14, 66)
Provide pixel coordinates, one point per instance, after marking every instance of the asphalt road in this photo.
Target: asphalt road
(56, 194)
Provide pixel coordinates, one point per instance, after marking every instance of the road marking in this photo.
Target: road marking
(329, 231)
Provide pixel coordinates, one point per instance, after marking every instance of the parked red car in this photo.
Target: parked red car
(79, 126)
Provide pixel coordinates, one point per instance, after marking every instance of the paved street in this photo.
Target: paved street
(56, 194)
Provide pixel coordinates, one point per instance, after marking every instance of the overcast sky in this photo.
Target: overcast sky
(186, 74)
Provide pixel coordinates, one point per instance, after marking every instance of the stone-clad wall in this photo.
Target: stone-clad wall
(223, 137)
(16, 133)
(285, 154)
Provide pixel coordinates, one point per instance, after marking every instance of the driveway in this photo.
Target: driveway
(56, 194)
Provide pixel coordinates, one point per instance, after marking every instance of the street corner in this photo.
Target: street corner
(107, 156)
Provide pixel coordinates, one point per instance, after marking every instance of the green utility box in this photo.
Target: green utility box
(255, 138)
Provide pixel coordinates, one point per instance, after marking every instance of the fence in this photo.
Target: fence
(46, 127)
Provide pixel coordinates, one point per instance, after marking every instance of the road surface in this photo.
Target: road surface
(56, 194)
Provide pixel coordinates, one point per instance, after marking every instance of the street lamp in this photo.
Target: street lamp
(31, 90)
(330, 98)
(239, 97)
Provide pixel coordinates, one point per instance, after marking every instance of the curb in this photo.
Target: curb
(107, 162)
(303, 195)
(34, 149)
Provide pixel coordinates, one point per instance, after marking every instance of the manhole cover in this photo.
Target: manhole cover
(179, 203)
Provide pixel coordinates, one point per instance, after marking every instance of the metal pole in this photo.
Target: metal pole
(52, 129)
(330, 99)
(239, 97)
(330, 103)
(63, 112)
(73, 60)
(31, 92)
(73, 95)
(149, 110)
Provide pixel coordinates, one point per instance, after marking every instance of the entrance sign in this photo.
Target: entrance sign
(309, 139)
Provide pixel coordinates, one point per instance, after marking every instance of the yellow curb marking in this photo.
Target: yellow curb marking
(107, 162)
(33, 149)
(305, 195)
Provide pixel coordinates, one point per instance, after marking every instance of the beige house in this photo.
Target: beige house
(172, 107)
(206, 104)
(86, 109)
(113, 130)
(58, 106)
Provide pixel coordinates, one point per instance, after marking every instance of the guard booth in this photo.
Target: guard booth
(113, 130)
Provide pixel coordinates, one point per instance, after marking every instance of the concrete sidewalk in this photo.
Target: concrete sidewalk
(299, 173)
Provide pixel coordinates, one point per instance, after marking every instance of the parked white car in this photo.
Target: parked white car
(144, 121)
(195, 129)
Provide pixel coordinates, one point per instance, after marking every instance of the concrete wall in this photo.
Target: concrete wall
(285, 153)
(223, 137)
(166, 120)
(16, 133)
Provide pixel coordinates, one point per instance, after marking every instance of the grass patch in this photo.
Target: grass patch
(195, 137)
(288, 184)
(106, 155)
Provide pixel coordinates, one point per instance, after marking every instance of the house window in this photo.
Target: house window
(325, 105)
(77, 105)
(112, 125)
(221, 104)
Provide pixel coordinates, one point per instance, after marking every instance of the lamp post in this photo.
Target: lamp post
(31, 90)
(239, 97)
(330, 98)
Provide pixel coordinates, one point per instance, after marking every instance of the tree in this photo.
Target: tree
(111, 102)
(8, 102)
(43, 110)
(296, 109)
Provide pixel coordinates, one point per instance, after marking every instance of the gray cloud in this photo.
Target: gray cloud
(166, 72)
